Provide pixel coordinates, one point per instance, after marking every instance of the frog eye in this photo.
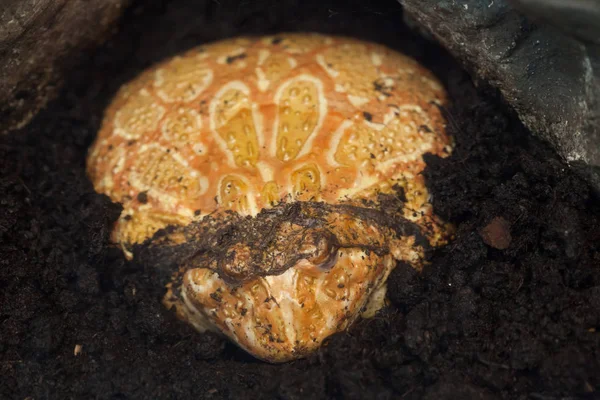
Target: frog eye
(320, 248)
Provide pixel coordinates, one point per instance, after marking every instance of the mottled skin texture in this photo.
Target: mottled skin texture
(249, 124)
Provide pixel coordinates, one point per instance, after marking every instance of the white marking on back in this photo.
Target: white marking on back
(262, 81)
(335, 142)
(265, 170)
(321, 61)
(235, 85)
(322, 113)
(357, 101)
(250, 195)
(257, 118)
(263, 54)
(376, 59)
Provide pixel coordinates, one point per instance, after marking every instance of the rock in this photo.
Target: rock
(39, 40)
(577, 18)
(496, 234)
(550, 76)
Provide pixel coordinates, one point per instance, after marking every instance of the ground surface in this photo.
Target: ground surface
(510, 310)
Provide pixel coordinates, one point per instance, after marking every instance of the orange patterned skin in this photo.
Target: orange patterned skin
(246, 123)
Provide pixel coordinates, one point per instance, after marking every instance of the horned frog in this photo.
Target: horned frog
(279, 180)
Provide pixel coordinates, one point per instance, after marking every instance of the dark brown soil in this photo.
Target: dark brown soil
(241, 248)
(480, 323)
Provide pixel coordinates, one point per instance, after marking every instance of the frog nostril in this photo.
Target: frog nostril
(236, 264)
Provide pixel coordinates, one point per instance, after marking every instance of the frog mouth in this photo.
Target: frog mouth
(242, 248)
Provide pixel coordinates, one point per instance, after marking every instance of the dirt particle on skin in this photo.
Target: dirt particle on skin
(232, 59)
(216, 296)
(496, 234)
(424, 128)
(142, 197)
